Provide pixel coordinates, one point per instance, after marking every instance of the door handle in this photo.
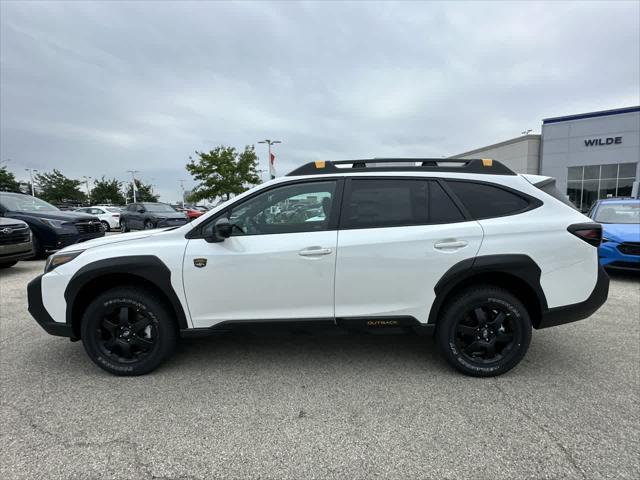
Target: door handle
(314, 251)
(450, 244)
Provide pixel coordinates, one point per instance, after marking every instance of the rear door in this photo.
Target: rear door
(397, 238)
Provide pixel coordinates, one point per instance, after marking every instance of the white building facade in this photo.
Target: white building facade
(593, 155)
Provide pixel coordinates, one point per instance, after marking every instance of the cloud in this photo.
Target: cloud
(95, 88)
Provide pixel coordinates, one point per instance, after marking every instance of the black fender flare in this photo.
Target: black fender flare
(520, 266)
(148, 267)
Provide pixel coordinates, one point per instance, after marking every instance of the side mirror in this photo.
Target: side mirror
(221, 230)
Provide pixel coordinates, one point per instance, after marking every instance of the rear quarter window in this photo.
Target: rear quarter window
(483, 200)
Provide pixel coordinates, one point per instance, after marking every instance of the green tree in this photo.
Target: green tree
(107, 191)
(222, 172)
(144, 193)
(8, 182)
(56, 188)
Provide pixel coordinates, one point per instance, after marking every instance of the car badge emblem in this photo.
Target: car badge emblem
(6, 230)
(200, 262)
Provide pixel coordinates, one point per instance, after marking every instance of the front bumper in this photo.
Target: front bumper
(578, 311)
(37, 311)
(10, 253)
(611, 256)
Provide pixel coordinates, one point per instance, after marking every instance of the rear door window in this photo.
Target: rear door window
(486, 201)
(378, 203)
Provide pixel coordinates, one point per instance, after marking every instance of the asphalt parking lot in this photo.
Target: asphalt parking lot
(322, 407)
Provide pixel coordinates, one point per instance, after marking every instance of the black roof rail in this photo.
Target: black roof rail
(479, 165)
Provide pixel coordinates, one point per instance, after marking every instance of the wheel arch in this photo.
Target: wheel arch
(92, 279)
(518, 274)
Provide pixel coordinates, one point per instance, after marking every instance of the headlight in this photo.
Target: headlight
(56, 260)
(53, 223)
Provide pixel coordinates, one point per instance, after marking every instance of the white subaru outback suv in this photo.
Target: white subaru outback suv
(466, 250)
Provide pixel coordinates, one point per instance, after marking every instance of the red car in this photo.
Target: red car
(192, 213)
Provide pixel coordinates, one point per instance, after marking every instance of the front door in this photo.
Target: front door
(278, 264)
(397, 239)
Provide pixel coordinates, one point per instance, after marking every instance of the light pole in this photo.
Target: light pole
(182, 187)
(86, 182)
(272, 168)
(31, 170)
(133, 182)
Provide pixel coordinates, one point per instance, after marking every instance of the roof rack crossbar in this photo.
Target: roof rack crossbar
(461, 165)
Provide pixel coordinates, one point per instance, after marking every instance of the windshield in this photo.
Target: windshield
(159, 207)
(112, 209)
(618, 213)
(25, 203)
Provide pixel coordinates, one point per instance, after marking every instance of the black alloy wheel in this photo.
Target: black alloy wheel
(126, 334)
(148, 225)
(486, 334)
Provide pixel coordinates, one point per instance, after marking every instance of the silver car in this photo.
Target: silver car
(15, 241)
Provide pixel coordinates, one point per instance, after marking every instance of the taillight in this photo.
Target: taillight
(115, 215)
(589, 232)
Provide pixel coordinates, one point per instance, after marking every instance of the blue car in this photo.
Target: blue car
(620, 219)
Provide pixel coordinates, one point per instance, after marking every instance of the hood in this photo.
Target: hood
(107, 240)
(621, 232)
(59, 215)
(10, 221)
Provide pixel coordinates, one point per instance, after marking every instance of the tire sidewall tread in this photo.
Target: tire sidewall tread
(458, 305)
(143, 299)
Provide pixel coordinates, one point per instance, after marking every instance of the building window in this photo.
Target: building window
(589, 183)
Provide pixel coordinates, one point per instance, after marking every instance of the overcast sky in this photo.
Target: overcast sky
(95, 88)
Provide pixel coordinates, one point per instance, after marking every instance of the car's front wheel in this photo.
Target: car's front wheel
(123, 226)
(148, 225)
(484, 331)
(128, 331)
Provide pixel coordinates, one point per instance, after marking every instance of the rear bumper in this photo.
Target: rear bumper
(578, 311)
(40, 314)
(171, 222)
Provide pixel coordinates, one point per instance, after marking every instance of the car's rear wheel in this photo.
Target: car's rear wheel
(128, 331)
(484, 331)
(105, 226)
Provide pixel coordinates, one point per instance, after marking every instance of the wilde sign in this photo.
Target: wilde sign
(596, 142)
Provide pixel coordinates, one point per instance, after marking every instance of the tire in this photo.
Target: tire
(128, 331)
(105, 226)
(38, 251)
(123, 226)
(8, 264)
(148, 225)
(484, 331)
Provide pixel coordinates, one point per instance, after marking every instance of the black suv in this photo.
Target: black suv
(52, 228)
(148, 215)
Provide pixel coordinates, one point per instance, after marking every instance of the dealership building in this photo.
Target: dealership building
(592, 155)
